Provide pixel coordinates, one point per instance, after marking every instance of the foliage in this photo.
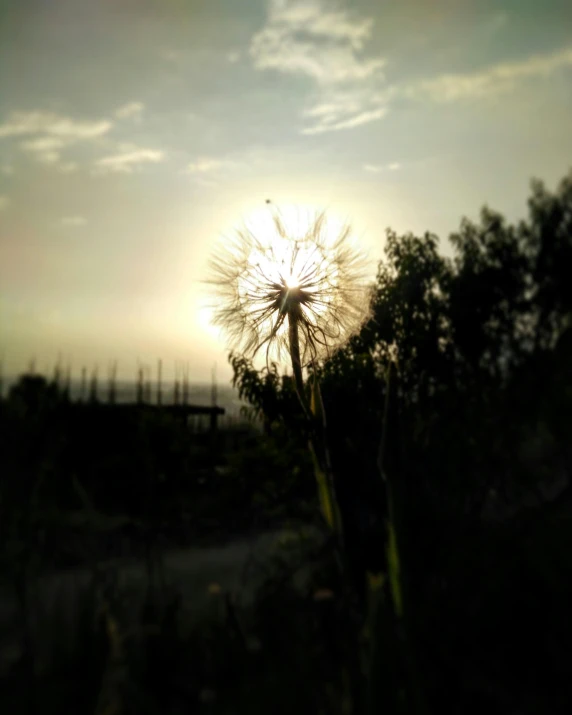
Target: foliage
(483, 342)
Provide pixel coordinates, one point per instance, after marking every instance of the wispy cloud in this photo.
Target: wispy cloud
(44, 149)
(208, 171)
(7, 169)
(310, 39)
(496, 79)
(354, 121)
(233, 57)
(73, 221)
(47, 123)
(43, 144)
(49, 134)
(128, 159)
(378, 168)
(325, 45)
(204, 165)
(4, 202)
(131, 109)
(328, 45)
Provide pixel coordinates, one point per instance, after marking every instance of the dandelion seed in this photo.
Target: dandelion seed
(291, 290)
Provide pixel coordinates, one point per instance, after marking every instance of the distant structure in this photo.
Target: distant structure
(139, 395)
(67, 383)
(86, 390)
(159, 372)
(111, 386)
(176, 389)
(185, 383)
(83, 384)
(93, 386)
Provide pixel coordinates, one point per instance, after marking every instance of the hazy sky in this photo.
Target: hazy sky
(133, 133)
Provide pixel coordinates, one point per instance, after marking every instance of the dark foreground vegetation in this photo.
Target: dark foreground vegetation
(480, 438)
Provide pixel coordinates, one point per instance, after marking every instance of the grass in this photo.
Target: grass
(291, 645)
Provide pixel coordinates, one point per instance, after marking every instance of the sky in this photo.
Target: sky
(135, 133)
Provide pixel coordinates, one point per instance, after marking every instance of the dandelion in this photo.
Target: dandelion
(291, 290)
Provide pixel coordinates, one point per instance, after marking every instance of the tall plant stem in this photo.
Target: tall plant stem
(294, 344)
(318, 444)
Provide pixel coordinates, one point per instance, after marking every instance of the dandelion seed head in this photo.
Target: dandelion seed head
(280, 266)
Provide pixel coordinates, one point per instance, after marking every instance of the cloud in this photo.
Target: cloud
(49, 157)
(73, 221)
(326, 45)
(132, 109)
(45, 150)
(343, 108)
(43, 144)
(47, 123)
(233, 57)
(309, 39)
(4, 202)
(208, 171)
(7, 169)
(499, 78)
(128, 160)
(378, 168)
(50, 134)
(355, 121)
(204, 165)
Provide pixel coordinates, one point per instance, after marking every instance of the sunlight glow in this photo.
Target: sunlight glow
(288, 260)
(286, 266)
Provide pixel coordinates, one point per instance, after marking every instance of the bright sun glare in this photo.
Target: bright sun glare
(289, 261)
(292, 265)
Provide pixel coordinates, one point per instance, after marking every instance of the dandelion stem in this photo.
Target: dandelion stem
(294, 340)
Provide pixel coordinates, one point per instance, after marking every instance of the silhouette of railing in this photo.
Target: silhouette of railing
(178, 410)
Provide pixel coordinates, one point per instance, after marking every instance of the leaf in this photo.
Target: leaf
(326, 502)
(316, 404)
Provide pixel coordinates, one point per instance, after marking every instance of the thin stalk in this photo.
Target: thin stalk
(317, 441)
(318, 446)
(294, 344)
